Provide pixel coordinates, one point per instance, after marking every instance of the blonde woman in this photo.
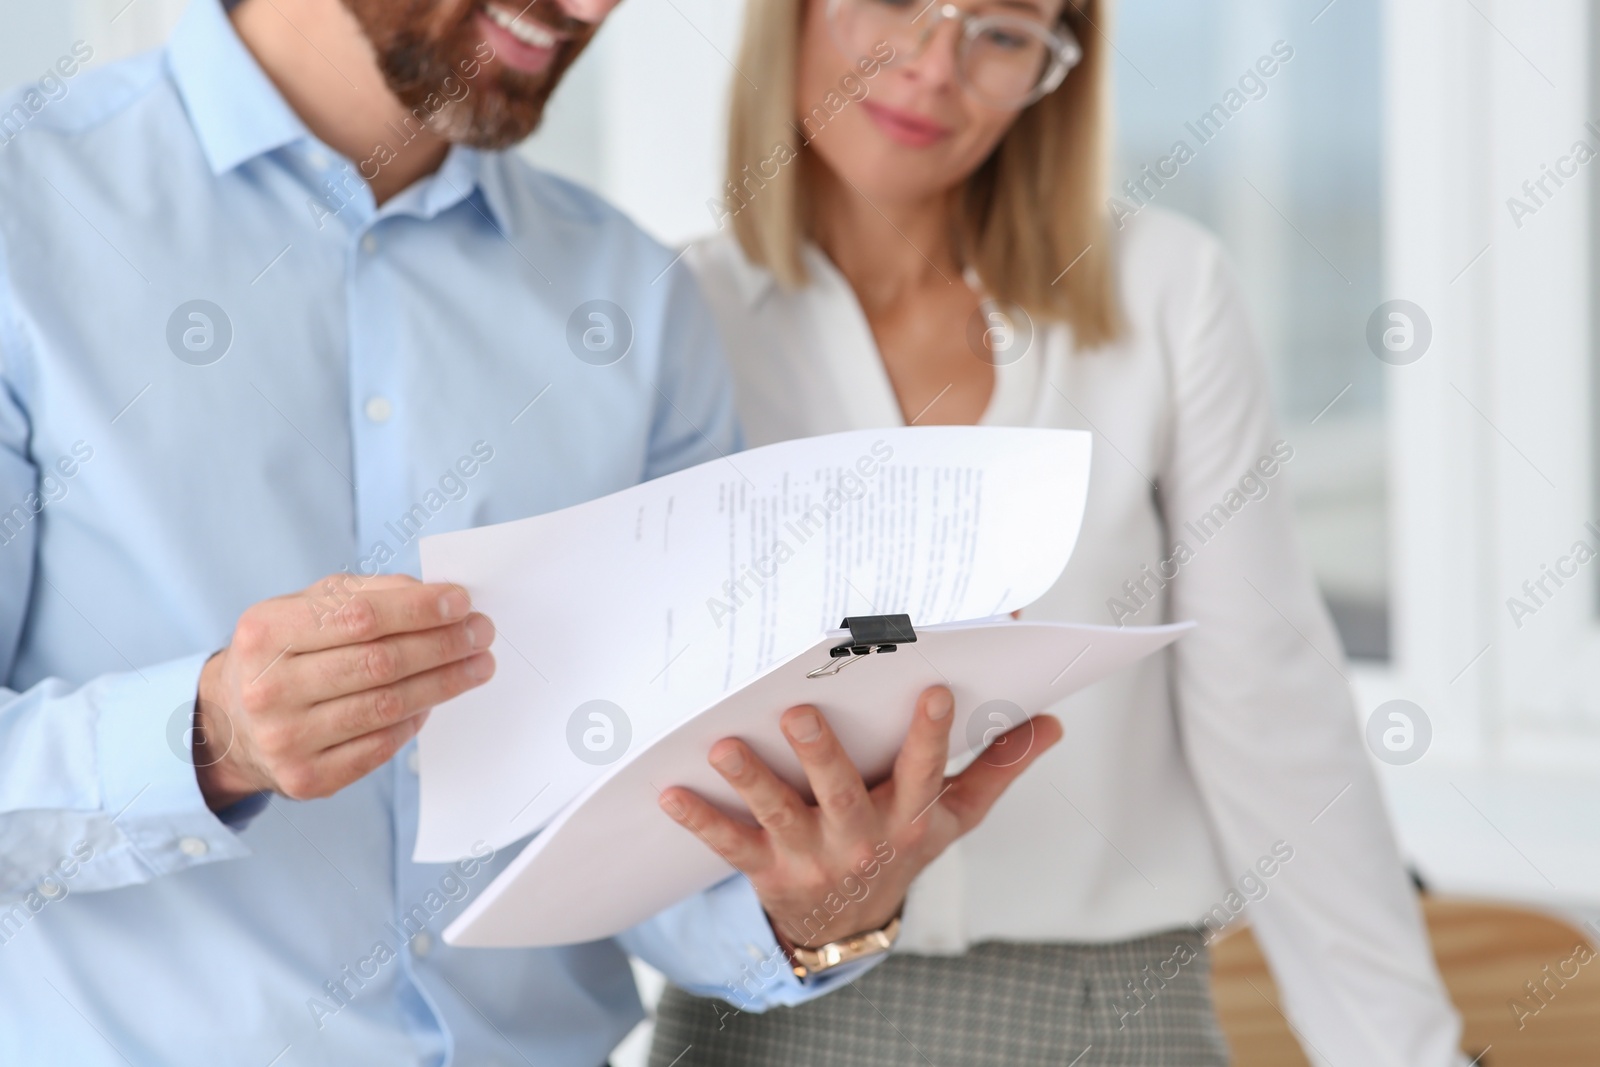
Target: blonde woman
(915, 232)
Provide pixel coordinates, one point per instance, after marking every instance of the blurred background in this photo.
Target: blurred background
(1386, 159)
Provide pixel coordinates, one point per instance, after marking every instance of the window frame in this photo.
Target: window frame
(1491, 434)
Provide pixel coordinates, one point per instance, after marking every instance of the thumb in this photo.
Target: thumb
(973, 792)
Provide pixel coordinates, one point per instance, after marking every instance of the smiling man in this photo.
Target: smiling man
(279, 285)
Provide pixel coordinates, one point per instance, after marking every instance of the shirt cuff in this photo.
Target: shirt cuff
(720, 944)
(155, 814)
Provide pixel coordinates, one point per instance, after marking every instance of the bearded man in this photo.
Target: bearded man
(274, 305)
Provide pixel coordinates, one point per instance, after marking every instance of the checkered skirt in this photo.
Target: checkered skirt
(1139, 1003)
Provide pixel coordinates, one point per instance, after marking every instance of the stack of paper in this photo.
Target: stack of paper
(635, 630)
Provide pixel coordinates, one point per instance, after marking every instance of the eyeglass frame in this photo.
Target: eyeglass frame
(1066, 52)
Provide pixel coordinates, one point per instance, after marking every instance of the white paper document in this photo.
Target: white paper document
(613, 859)
(625, 617)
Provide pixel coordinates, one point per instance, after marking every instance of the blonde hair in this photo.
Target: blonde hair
(1031, 211)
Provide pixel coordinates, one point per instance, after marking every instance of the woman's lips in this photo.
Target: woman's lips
(514, 52)
(905, 127)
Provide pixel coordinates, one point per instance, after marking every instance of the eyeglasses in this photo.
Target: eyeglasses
(1003, 60)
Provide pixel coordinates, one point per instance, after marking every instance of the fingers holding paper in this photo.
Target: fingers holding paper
(317, 689)
(852, 854)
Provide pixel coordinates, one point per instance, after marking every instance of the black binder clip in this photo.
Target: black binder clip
(868, 634)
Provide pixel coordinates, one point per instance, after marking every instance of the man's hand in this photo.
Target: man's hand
(841, 866)
(319, 688)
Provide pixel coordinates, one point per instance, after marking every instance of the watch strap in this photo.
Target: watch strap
(810, 962)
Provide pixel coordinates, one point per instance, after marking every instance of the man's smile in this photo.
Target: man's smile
(520, 42)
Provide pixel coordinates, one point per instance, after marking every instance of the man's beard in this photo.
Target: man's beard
(434, 58)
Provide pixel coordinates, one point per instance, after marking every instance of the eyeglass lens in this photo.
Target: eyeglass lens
(1002, 58)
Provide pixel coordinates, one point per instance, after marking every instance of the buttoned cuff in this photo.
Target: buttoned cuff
(156, 819)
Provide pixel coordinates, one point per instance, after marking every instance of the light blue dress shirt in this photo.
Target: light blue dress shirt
(358, 377)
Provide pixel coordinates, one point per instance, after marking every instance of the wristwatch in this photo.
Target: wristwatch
(810, 962)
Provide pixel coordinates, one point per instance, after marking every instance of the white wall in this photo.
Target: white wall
(35, 35)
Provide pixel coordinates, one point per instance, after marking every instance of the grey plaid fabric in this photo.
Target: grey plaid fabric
(1141, 1003)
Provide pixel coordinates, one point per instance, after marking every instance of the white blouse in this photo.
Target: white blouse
(1226, 775)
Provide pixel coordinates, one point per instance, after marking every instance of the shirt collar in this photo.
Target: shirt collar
(472, 171)
(465, 176)
(238, 114)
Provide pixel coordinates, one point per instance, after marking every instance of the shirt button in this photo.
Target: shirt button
(369, 244)
(50, 889)
(379, 409)
(318, 159)
(421, 945)
(193, 846)
(413, 762)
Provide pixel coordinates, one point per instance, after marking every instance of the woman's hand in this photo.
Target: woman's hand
(841, 866)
